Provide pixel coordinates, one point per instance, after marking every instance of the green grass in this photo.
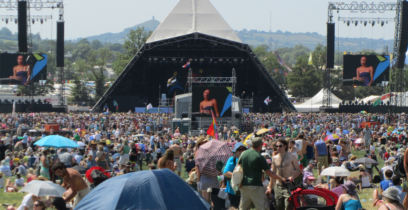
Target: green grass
(365, 195)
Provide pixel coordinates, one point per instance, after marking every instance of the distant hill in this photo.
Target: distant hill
(254, 38)
(274, 40)
(120, 37)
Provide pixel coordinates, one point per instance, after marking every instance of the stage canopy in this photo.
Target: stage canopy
(194, 31)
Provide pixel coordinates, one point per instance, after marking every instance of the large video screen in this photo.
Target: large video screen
(212, 99)
(22, 69)
(365, 70)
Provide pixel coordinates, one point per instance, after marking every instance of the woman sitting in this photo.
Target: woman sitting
(365, 178)
(391, 199)
(349, 200)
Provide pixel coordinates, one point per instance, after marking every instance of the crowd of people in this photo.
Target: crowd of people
(292, 153)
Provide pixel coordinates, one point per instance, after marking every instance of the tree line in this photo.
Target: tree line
(298, 70)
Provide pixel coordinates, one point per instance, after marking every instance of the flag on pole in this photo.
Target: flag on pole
(310, 62)
(212, 130)
(187, 65)
(267, 101)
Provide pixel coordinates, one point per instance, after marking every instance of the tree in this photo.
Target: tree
(80, 93)
(270, 62)
(304, 80)
(36, 89)
(134, 42)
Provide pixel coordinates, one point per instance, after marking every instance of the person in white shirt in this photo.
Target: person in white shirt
(28, 202)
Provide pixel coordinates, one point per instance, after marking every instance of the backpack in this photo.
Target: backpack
(399, 167)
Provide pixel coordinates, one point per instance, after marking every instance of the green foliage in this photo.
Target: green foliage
(304, 80)
(134, 41)
(80, 93)
(35, 89)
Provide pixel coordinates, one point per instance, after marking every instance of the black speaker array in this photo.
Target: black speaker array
(60, 44)
(330, 45)
(22, 26)
(403, 27)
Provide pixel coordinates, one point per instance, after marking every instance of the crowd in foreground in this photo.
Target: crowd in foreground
(292, 153)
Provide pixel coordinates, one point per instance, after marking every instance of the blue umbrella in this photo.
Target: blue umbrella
(56, 141)
(346, 132)
(153, 189)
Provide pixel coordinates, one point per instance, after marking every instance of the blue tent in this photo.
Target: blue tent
(156, 189)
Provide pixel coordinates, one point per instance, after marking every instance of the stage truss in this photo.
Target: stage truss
(362, 7)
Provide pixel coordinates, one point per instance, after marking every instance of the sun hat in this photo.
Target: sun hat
(391, 193)
(350, 187)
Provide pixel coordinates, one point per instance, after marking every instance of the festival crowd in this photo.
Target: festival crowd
(289, 153)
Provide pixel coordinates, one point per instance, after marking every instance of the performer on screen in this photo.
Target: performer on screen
(364, 73)
(207, 104)
(21, 72)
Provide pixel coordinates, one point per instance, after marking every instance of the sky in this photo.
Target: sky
(92, 17)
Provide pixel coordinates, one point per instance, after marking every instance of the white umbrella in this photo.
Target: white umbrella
(335, 171)
(358, 141)
(44, 188)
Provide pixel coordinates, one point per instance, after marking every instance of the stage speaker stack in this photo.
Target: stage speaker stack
(403, 27)
(22, 25)
(330, 46)
(60, 44)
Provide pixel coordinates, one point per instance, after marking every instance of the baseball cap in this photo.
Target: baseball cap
(237, 146)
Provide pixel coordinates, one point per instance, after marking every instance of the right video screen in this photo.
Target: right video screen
(365, 70)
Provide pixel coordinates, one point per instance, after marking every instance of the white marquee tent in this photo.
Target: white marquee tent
(313, 104)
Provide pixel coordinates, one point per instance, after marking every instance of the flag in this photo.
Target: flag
(116, 105)
(227, 104)
(171, 81)
(377, 102)
(383, 97)
(282, 63)
(212, 130)
(187, 65)
(149, 107)
(310, 62)
(267, 101)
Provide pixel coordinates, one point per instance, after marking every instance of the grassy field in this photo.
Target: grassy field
(365, 195)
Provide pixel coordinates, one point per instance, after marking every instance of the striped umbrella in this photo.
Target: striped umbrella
(332, 137)
(209, 154)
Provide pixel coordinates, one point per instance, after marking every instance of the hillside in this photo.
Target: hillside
(274, 40)
(120, 37)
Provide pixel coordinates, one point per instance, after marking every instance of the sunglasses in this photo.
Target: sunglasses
(37, 204)
(279, 146)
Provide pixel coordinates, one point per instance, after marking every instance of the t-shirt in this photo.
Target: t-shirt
(385, 184)
(229, 167)
(253, 165)
(27, 202)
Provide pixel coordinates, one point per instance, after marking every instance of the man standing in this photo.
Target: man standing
(253, 165)
(367, 137)
(72, 181)
(321, 154)
(286, 166)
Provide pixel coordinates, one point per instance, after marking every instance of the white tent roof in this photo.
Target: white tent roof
(313, 104)
(191, 16)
